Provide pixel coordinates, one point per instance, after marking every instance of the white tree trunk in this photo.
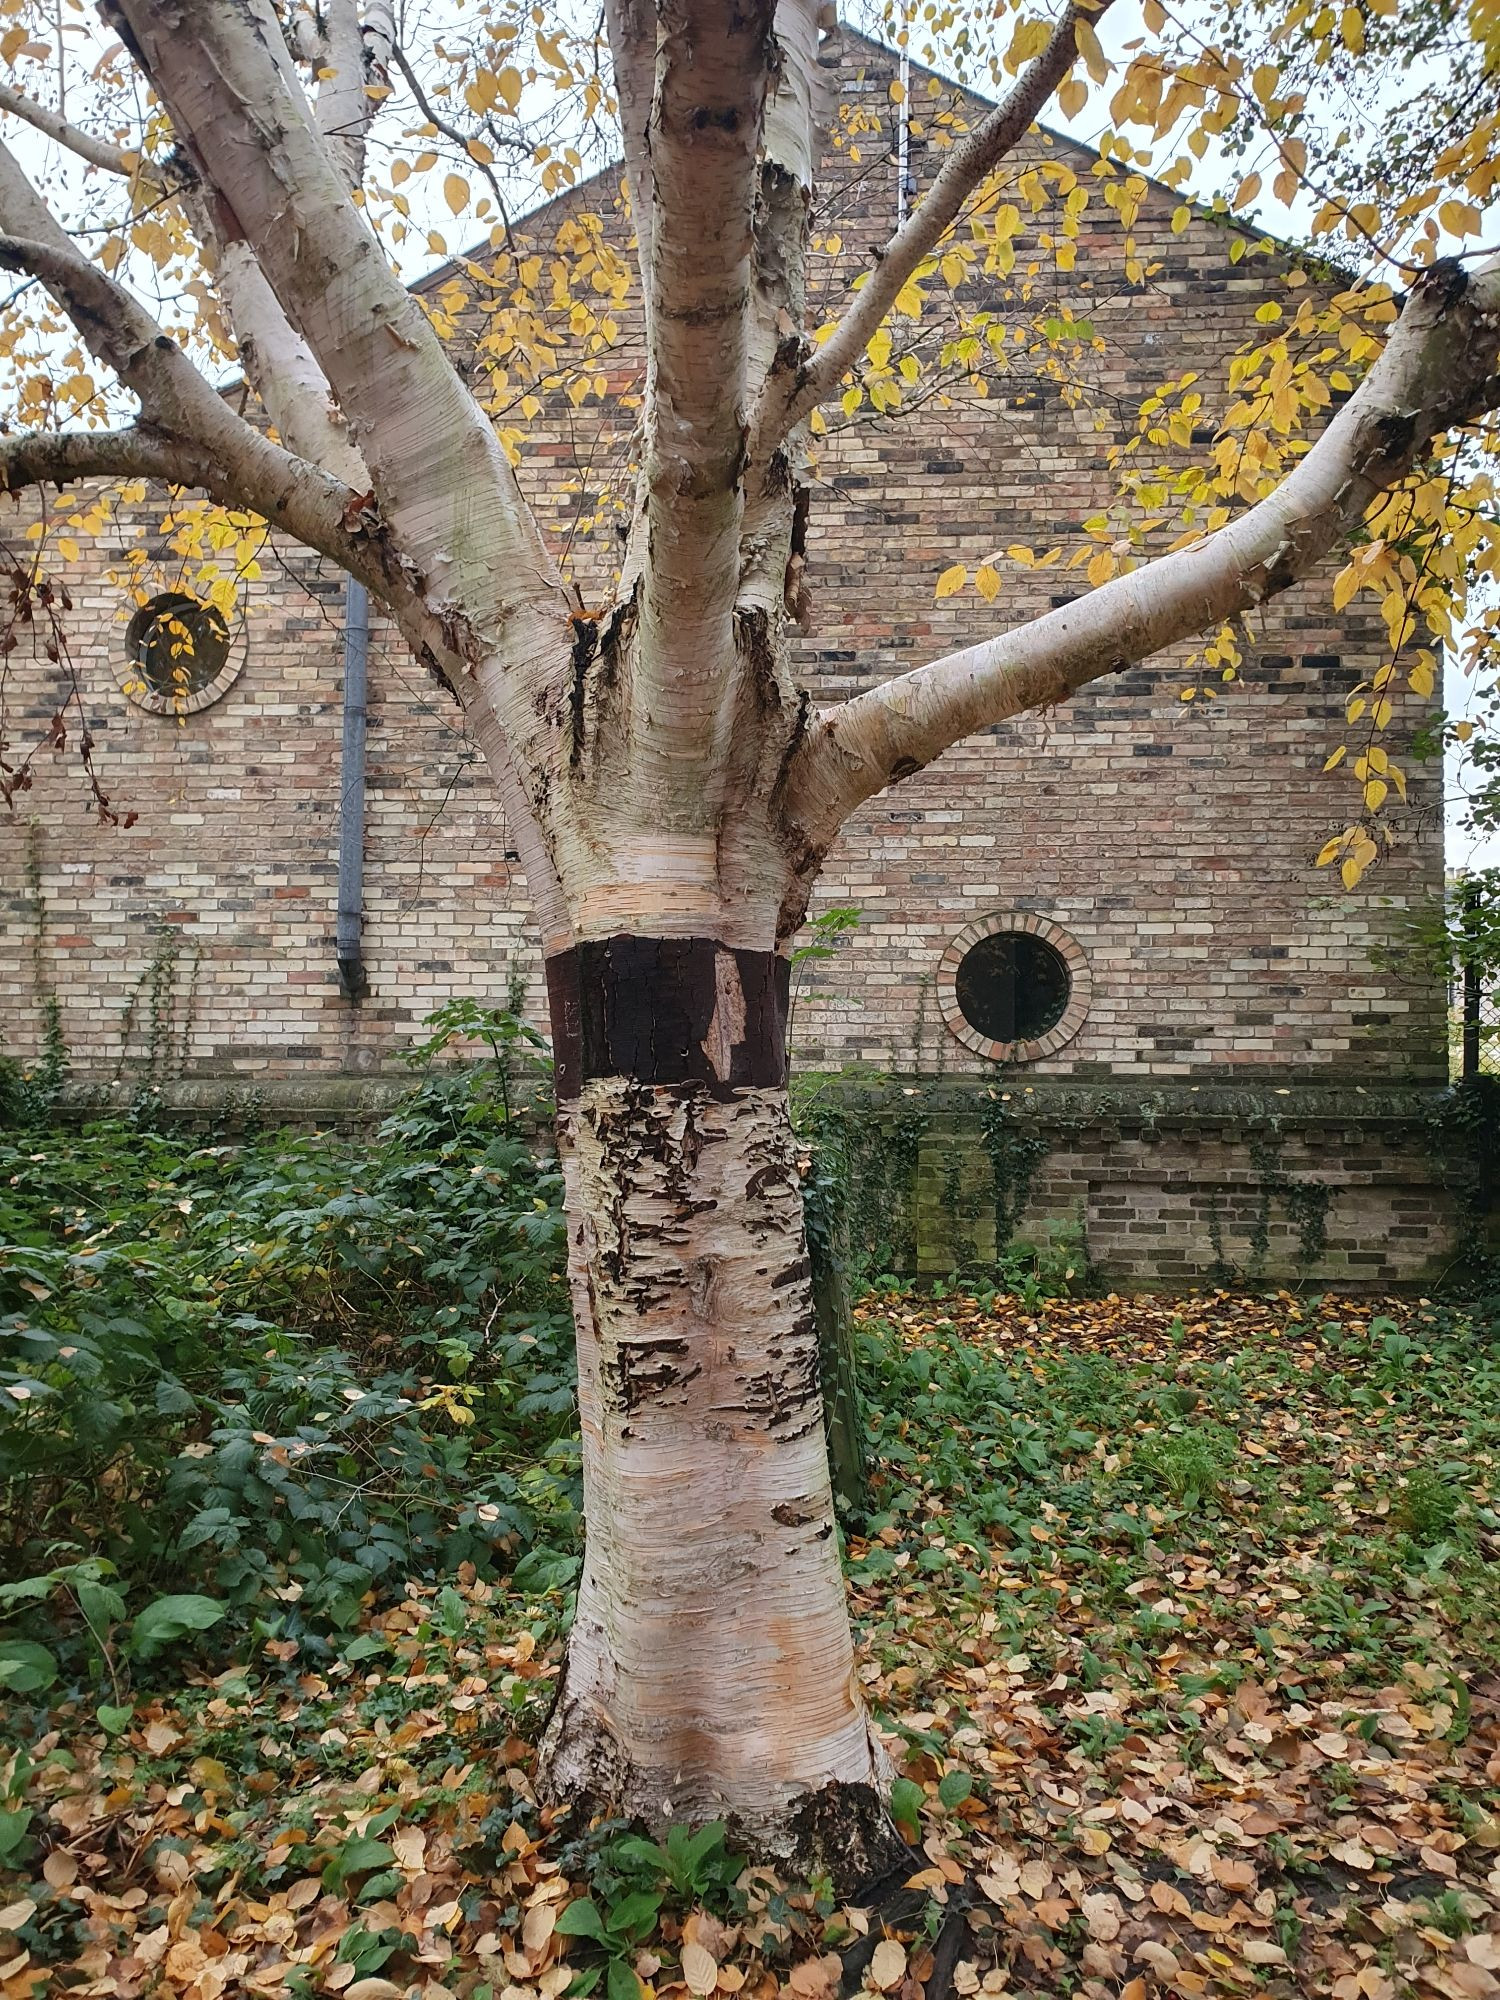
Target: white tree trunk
(710, 1670)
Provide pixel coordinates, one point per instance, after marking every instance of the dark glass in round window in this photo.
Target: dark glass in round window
(1012, 986)
(179, 644)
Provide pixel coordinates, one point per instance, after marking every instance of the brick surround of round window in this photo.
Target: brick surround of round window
(1074, 1009)
(205, 679)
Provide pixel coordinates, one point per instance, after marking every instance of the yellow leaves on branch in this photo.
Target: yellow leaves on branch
(490, 91)
(987, 578)
(1354, 849)
(1030, 38)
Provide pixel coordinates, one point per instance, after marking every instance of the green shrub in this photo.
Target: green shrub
(298, 1366)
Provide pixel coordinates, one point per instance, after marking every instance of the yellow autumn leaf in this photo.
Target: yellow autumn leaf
(456, 193)
(1460, 218)
(952, 579)
(1088, 47)
(987, 581)
(1029, 39)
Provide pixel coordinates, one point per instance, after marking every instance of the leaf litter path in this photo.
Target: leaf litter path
(1179, 1621)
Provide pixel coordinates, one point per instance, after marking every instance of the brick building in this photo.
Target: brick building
(1208, 1060)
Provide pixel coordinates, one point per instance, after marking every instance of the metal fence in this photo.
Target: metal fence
(1478, 1024)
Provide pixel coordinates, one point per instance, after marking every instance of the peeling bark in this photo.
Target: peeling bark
(710, 1671)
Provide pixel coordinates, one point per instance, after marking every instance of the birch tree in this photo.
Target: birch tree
(670, 787)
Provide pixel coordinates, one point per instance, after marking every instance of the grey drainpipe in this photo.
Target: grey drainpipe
(352, 981)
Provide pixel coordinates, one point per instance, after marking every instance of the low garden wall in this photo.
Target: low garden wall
(1303, 1184)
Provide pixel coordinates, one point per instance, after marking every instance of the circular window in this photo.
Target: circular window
(177, 655)
(1013, 988)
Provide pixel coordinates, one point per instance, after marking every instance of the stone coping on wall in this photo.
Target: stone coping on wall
(318, 1098)
(316, 1101)
(1131, 1104)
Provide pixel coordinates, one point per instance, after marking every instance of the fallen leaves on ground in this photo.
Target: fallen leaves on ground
(1172, 1613)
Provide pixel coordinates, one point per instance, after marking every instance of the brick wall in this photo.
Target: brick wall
(1337, 1188)
(1173, 842)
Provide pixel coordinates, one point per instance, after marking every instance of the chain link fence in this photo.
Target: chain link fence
(1476, 1025)
(1474, 990)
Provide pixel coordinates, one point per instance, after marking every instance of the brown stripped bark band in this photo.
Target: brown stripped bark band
(667, 1011)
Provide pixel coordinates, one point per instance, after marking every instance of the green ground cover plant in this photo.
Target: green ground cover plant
(1177, 1616)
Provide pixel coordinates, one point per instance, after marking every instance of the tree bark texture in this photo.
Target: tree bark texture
(710, 1671)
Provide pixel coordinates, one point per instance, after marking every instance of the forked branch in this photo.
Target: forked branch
(443, 481)
(792, 392)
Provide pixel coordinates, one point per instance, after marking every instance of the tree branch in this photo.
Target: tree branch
(276, 360)
(358, 55)
(713, 67)
(631, 26)
(790, 153)
(211, 446)
(57, 458)
(794, 391)
(444, 484)
(450, 132)
(97, 152)
(1437, 370)
(117, 330)
(286, 493)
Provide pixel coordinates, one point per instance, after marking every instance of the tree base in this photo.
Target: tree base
(842, 1829)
